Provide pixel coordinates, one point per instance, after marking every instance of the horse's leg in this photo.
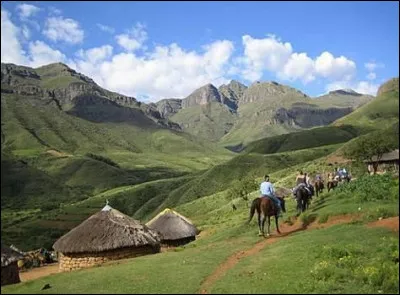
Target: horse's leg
(276, 223)
(269, 225)
(263, 223)
(259, 224)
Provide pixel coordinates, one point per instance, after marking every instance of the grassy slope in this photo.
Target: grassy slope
(379, 113)
(210, 122)
(338, 253)
(314, 137)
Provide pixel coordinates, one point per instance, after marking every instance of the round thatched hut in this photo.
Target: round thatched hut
(9, 267)
(175, 229)
(106, 235)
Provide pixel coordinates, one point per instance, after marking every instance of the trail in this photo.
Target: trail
(285, 229)
(38, 272)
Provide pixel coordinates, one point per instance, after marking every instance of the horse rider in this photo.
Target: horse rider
(309, 187)
(267, 190)
(301, 181)
(300, 178)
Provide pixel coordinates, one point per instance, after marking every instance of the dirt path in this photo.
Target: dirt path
(391, 223)
(285, 231)
(38, 272)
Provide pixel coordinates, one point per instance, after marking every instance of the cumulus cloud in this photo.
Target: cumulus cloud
(172, 71)
(299, 66)
(363, 87)
(263, 54)
(11, 49)
(63, 29)
(133, 39)
(105, 28)
(272, 55)
(167, 71)
(372, 66)
(27, 10)
(327, 66)
(42, 54)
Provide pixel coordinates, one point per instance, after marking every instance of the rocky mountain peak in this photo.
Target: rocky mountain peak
(346, 91)
(203, 95)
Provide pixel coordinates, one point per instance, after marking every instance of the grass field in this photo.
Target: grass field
(313, 261)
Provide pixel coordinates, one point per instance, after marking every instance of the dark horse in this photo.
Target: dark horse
(319, 187)
(266, 208)
(303, 199)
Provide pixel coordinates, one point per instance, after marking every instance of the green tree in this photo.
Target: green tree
(371, 147)
(242, 188)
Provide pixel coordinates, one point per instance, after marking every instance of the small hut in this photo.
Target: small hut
(387, 162)
(175, 229)
(105, 236)
(9, 267)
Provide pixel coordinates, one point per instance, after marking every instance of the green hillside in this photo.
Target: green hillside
(331, 253)
(379, 113)
(314, 137)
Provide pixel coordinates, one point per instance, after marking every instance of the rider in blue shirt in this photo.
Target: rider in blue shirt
(267, 190)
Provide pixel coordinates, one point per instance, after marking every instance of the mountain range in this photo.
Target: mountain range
(229, 115)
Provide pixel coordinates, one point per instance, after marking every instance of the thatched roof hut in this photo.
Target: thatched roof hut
(106, 235)
(174, 228)
(9, 267)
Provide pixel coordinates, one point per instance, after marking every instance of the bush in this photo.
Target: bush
(370, 188)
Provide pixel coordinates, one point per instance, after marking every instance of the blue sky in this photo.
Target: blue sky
(155, 50)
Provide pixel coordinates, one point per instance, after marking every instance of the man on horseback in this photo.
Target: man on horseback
(267, 190)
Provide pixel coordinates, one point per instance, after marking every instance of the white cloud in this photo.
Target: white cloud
(54, 11)
(371, 76)
(363, 87)
(26, 32)
(168, 71)
(299, 66)
(263, 54)
(63, 29)
(41, 54)
(96, 54)
(372, 66)
(133, 39)
(11, 49)
(334, 68)
(27, 10)
(105, 28)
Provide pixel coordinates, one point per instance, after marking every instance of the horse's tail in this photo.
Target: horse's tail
(253, 208)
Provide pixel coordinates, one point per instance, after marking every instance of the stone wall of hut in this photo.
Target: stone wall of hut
(73, 261)
(10, 274)
(177, 242)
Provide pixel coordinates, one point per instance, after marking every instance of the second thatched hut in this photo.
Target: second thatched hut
(106, 235)
(9, 267)
(175, 229)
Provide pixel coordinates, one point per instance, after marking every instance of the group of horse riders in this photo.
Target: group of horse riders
(303, 180)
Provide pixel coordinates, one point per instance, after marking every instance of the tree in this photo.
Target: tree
(242, 188)
(367, 147)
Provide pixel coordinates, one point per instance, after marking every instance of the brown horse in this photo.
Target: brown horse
(266, 208)
(319, 187)
(331, 185)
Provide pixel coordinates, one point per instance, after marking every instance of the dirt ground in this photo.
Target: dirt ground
(38, 272)
(391, 223)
